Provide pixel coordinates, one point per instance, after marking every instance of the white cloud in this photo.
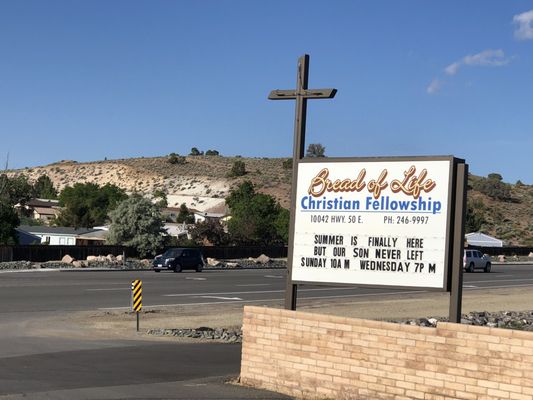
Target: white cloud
(452, 68)
(525, 28)
(434, 86)
(487, 58)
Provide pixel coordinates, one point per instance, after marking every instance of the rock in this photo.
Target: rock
(146, 262)
(77, 264)
(67, 259)
(501, 258)
(119, 258)
(111, 258)
(232, 265)
(530, 255)
(262, 259)
(213, 262)
(433, 321)
(101, 259)
(92, 258)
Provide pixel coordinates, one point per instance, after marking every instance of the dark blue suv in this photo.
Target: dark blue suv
(177, 259)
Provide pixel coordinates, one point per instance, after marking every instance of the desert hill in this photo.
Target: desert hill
(202, 182)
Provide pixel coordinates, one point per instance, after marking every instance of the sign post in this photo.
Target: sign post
(301, 94)
(137, 298)
(381, 221)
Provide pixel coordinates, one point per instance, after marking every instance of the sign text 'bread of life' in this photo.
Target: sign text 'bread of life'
(379, 223)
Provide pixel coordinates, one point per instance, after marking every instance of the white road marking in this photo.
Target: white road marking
(503, 286)
(264, 300)
(254, 292)
(98, 290)
(469, 286)
(275, 276)
(221, 298)
(255, 284)
(196, 279)
(503, 280)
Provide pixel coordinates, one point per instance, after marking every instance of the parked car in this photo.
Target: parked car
(178, 259)
(474, 259)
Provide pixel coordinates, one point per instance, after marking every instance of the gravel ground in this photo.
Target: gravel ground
(137, 264)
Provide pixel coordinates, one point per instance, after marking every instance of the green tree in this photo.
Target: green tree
(43, 188)
(161, 198)
(212, 153)
(196, 152)
(9, 220)
(315, 150)
(256, 218)
(87, 204)
(16, 190)
(281, 223)
(137, 223)
(210, 231)
(185, 215)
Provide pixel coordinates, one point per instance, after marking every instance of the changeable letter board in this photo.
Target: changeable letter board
(379, 222)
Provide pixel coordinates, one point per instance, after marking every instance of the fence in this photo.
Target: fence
(506, 251)
(42, 253)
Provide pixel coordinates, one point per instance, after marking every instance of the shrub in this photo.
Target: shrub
(174, 158)
(238, 169)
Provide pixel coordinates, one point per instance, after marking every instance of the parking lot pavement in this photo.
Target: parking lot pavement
(213, 388)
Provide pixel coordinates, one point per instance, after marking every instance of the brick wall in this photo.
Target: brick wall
(317, 356)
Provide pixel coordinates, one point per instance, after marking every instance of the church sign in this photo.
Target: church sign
(373, 221)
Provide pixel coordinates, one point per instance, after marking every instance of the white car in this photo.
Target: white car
(474, 259)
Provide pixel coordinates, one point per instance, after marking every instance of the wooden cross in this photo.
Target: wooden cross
(301, 94)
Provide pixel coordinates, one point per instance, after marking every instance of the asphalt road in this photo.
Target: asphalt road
(35, 366)
(77, 291)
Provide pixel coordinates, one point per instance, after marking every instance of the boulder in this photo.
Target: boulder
(501, 258)
(77, 264)
(67, 259)
(212, 262)
(92, 258)
(262, 259)
(530, 255)
(120, 258)
(111, 258)
(101, 258)
(232, 265)
(146, 262)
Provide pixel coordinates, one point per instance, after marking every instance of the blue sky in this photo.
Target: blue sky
(84, 80)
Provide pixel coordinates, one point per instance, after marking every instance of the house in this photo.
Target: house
(170, 214)
(92, 238)
(55, 235)
(27, 238)
(482, 240)
(201, 216)
(176, 230)
(45, 210)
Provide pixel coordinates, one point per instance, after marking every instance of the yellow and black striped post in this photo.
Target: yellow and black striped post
(137, 298)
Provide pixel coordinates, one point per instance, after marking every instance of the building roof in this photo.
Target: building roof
(43, 203)
(483, 240)
(54, 230)
(94, 235)
(209, 214)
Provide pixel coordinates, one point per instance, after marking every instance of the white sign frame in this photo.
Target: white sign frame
(438, 169)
